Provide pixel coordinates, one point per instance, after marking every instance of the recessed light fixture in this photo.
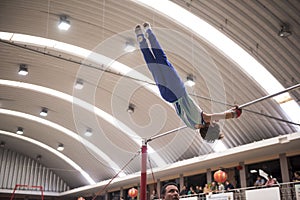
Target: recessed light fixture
(44, 112)
(2, 144)
(190, 80)
(64, 24)
(20, 131)
(284, 31)
(88, 132)
(38, 157)
(23, 70)
(131, 108)
(79, 84)
(60, 147)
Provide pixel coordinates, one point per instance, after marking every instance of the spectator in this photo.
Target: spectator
(153, 195)
(170, 191)
(296, 177)
(191, 191)
(183, 191)
(221, 187)
(228, 185)
(206, 189)
(271, 181)
(259, 181)
(198, 189)
(213, 187)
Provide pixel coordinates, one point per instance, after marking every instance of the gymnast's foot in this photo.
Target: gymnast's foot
(139, 33)
(147, 27)
(138, 30)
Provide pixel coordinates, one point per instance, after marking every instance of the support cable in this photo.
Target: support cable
(74, 61)
(102, 190)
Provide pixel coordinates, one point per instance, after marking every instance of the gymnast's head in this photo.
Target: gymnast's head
(211, 132)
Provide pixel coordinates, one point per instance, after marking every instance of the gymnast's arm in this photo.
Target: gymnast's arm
(229, 114)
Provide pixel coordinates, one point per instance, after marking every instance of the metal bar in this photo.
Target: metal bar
(258, 113)
(269, 96)
(166, 133)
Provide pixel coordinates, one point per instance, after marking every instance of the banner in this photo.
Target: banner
(220, 196)
(263, 193)
(190, 198)
(297, 191)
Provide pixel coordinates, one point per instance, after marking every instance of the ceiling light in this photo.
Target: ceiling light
(129, 46)
(60, 147)
(44, 112)
(190, 80)
(64, 24)
(20, 131)
(88, 132)
(284, 31)
(38, 157)
(130, 108)
(79, 84)
(23, 70)
(2, 144)
(252, 171)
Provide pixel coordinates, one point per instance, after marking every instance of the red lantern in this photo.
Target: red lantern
(220, 176)
(133, 192)
(239, 167)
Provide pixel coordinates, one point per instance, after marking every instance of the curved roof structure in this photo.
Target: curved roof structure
(232, 49)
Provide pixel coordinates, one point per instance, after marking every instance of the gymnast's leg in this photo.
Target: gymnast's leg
(172, 82)
(152, 65)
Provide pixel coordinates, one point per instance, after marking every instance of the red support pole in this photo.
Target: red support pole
(143, 172)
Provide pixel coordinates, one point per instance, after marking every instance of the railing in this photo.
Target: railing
(283, 191)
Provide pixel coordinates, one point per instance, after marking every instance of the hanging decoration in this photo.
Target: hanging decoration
(220, 176)
(132, 192)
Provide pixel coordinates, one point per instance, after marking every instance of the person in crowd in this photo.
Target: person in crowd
(183, 191)
(296, 177)
(221, 187)
(206, 189)
(170, 191)
(172, 88)
(153, 195)
(198, 189)
(191, 191)
(228, 186)
(271, 181)
(213, 187)
(259, 181)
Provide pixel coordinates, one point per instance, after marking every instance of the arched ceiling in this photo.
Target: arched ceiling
(104, 27)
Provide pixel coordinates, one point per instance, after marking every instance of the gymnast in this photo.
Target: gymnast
(172, 88)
